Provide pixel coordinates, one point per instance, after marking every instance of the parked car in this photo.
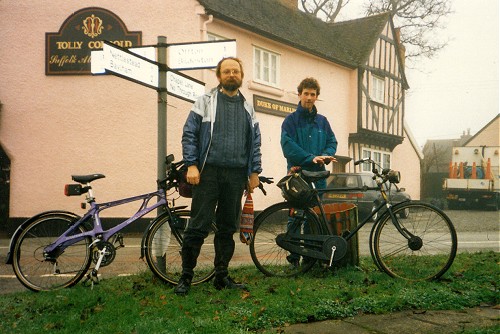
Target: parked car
(366, 201)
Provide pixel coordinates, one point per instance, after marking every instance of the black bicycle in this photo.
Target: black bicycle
(412, 240)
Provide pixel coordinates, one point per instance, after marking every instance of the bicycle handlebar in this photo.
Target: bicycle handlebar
(387, 174)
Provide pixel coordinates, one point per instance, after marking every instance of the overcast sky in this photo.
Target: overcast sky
(458, 89)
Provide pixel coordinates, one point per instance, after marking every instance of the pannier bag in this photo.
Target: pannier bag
(295, 190)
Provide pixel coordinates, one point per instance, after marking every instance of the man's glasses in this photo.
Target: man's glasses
(228, 72)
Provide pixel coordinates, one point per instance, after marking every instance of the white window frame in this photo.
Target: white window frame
(378, 89)
(266, 65)
(383, 158)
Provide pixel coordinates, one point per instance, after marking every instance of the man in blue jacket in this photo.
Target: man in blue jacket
(307, 139)
(221, 147)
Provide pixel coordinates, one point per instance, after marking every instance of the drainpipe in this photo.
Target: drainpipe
(204, 37)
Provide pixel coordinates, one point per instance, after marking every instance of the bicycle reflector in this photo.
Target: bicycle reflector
(72, 190)
(394, 176)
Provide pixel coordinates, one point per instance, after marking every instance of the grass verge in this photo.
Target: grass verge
(142, 304)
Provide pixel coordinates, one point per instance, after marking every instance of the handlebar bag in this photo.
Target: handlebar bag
(296, 190)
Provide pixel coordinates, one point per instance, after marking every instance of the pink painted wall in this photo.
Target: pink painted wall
(56, 126)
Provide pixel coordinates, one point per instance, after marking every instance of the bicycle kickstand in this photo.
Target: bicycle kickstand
(92, 276)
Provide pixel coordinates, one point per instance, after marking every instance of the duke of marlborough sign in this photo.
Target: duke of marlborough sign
(67, 52)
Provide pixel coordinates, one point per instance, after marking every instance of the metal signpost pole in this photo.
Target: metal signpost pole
(162, 110)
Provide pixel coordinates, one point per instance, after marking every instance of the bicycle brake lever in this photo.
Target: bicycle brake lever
(267, 180)
(261, 187)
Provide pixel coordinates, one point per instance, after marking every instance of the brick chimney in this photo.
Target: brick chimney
(292, 4)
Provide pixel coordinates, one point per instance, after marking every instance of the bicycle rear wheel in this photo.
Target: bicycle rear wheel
(163, 244)
(429, 252)
(38, 272)
(268, 257)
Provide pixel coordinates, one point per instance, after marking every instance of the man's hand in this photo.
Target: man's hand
(253, 182)
(324, 159)
(193, 175)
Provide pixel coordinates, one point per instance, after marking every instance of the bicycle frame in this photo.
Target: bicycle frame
(93, 214)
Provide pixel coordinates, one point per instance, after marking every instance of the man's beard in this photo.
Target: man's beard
(231, 85)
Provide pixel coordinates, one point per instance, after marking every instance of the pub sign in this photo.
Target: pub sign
(68, 52)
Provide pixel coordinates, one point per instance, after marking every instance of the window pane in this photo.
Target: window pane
(366, 165)
(387, 161)
(274, 69)
(257, 63)
(265, 67)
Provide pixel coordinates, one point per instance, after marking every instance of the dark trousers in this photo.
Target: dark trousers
(216, 198)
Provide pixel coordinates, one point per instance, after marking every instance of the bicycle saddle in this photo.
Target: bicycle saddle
(86, 178)
(315, 176)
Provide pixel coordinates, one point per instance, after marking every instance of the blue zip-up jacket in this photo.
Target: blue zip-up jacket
(199, 126)
(305, 135)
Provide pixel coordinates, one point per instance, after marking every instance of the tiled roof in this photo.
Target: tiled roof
(347, 43)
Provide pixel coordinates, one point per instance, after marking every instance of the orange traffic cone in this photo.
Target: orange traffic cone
(488, 170)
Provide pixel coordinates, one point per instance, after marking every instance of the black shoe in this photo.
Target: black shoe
(182, 288)
(228, 283)
(293, 261)
(307, 261)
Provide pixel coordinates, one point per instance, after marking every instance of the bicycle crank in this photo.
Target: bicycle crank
(109, 253)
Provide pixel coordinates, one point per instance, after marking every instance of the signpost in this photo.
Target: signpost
(130, 66)
(184, 87)
(97, 63)
(190, 56)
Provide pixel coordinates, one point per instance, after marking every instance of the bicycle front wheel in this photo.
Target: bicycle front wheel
(42, 272)
(164, 249)
(268, 257)
(429, 248)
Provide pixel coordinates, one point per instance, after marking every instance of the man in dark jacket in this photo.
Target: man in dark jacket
(307, 139)
(221, 147)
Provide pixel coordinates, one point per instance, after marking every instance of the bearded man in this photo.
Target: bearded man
(221, 147)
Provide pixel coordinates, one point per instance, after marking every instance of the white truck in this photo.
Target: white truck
(473, 180)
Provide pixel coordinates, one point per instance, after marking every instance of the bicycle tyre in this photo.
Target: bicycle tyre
(427, 255)
(166, 264)
(34, 270)
(267, 256)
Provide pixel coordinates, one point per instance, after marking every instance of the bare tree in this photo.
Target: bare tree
(418, 20)
(327, 10)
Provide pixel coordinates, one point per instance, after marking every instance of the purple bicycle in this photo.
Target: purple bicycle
(55, 249)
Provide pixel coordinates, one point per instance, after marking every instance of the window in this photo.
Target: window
(378, 89)
(266, 67)
(380, 157)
